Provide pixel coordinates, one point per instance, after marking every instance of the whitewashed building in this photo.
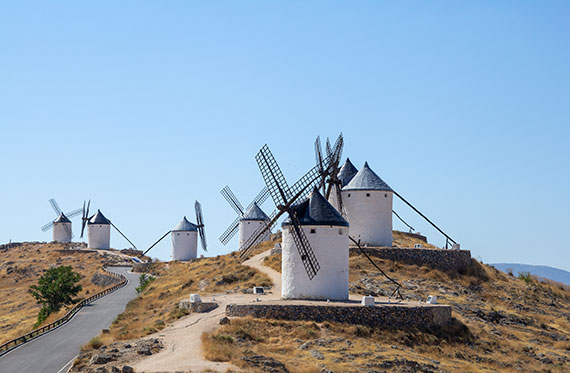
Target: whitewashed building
(62, 229)
(346, 173)
(250, 222)
(327, 233)
(184, 241)
(99, 232)
(367, 201)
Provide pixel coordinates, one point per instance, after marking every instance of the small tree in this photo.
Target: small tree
(56, 288)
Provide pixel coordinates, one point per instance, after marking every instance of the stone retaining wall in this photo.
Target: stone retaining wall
(200, 307)
(391, 316)
(435, 258)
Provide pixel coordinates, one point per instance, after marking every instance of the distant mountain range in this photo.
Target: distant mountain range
(551, 273)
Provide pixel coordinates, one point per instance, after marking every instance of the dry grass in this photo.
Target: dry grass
(273, 261)
(157, 305)
(403, 239)
(502, 323)
(343, 348)
(26, 263)
(530, 333)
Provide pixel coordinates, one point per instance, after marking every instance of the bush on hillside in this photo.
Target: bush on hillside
(55, 289)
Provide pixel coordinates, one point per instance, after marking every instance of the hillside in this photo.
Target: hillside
(21, 264)
(501, 323)
(550, 273)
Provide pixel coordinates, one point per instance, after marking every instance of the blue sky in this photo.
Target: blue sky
(145, 107)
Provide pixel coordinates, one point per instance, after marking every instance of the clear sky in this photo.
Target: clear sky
(144, 107)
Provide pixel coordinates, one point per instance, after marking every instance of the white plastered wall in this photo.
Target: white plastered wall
(369, 213)
(99, 236)
(62, 232)
(248, 227)
(184, 245)
(330, 244)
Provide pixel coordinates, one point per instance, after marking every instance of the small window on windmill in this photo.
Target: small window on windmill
(340, 231)
(367, 194)
(178, 234)
(188, 234)
(313, 230)
(348, 194)
(385, 195)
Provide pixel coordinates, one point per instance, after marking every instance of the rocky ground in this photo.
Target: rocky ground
(114, 357)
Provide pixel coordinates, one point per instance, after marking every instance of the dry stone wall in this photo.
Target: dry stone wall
(392, 316)
(457, 260)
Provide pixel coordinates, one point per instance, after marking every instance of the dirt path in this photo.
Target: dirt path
(182, 343)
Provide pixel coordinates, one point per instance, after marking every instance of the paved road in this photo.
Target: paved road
(53, 352)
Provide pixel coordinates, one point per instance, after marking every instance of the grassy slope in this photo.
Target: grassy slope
(26, 263)
(157, 305)
(502, 323)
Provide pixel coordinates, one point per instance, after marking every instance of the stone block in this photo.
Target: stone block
(368, 301)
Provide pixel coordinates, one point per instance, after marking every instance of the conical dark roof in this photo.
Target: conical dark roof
(98, 218)
(62, 219)
(185, 226)
(254, 213)
(347, 172)
(316, 210)
(366, 179)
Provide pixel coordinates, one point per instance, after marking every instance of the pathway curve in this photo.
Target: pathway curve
(54, 351)
(183, 347)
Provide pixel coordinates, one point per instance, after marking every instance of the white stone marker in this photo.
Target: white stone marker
(368, 300)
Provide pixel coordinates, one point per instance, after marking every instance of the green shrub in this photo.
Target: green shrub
(144, 281)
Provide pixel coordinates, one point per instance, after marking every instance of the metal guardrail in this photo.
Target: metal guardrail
(18, 341)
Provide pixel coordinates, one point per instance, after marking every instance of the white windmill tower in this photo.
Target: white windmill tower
(367, 201)
(185, 237)
(327, 234)
(248, 220)
(184, 241)
(315, 243)
(98, 229)
(61, 226)
(99, 232)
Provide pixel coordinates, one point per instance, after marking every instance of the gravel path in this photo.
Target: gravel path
(182, 343)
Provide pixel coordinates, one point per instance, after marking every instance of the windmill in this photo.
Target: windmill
(61, 226)
(98, 229)
(330, 184)
(248, 220)
(185, 237)
(285, 199)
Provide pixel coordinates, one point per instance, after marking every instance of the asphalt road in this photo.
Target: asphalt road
(54, 351)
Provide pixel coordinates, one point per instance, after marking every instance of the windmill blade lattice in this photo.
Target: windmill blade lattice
(84, 217)
(257, 235)
(233, 227)
(55, 206)
(230, 231)
(200, 224)
(285, 198)
(232, 200)
(307, 254)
